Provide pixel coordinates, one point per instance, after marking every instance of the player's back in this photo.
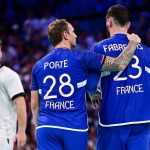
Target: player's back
(61, 78)
(126, 96)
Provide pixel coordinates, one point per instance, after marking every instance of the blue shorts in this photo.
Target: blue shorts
(59, 139)
(128, 137)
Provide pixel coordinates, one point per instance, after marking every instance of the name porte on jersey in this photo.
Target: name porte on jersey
(60, 105)
(137, 88)
(56, 64)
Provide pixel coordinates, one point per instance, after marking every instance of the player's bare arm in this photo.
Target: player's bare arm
(35, 105)
(22, 121)
(120, 63)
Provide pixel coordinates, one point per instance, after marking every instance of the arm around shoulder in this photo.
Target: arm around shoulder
(121, 62)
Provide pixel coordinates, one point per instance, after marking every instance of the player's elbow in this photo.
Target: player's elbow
(121, 67)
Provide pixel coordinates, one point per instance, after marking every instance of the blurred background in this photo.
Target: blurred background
(23, 30)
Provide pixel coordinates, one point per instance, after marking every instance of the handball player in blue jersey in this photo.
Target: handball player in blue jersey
(58, 88)
(124, 115)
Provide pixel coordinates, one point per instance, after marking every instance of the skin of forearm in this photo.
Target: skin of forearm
(35, 105)
(21, 114)
(35, 111)
(121, 62)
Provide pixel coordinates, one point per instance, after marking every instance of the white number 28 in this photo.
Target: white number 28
(67, 83)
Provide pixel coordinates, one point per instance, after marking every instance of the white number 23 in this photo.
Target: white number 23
(134, 66)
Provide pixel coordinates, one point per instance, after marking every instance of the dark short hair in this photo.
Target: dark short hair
(119, 13)
(56, 29)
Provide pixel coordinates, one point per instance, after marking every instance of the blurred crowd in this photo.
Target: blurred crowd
(23, 31)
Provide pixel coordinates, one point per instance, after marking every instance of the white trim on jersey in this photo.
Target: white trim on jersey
(64, 128)
(147, 69)
(105, 73)
(40, 91)
(121, 124)
(81, 84)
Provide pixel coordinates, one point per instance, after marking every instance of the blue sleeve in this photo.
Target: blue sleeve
(148, 51)
(93, 61)
(97, 48)
(146, 56)
(92, 82)
(93, 78)
(33, 84)
(92, 48)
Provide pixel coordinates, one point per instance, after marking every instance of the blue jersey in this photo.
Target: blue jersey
(126, 94)
(60, 78)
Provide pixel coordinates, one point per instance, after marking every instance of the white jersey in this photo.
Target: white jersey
(10, 88)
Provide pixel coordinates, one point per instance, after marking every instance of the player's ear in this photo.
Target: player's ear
(128, 25)
(0, 57)
(65, 35)
(109, 22)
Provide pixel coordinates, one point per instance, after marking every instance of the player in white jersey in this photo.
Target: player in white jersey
(12, 107)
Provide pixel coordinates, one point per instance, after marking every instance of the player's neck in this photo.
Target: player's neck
(118, 31)
(63, 45)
